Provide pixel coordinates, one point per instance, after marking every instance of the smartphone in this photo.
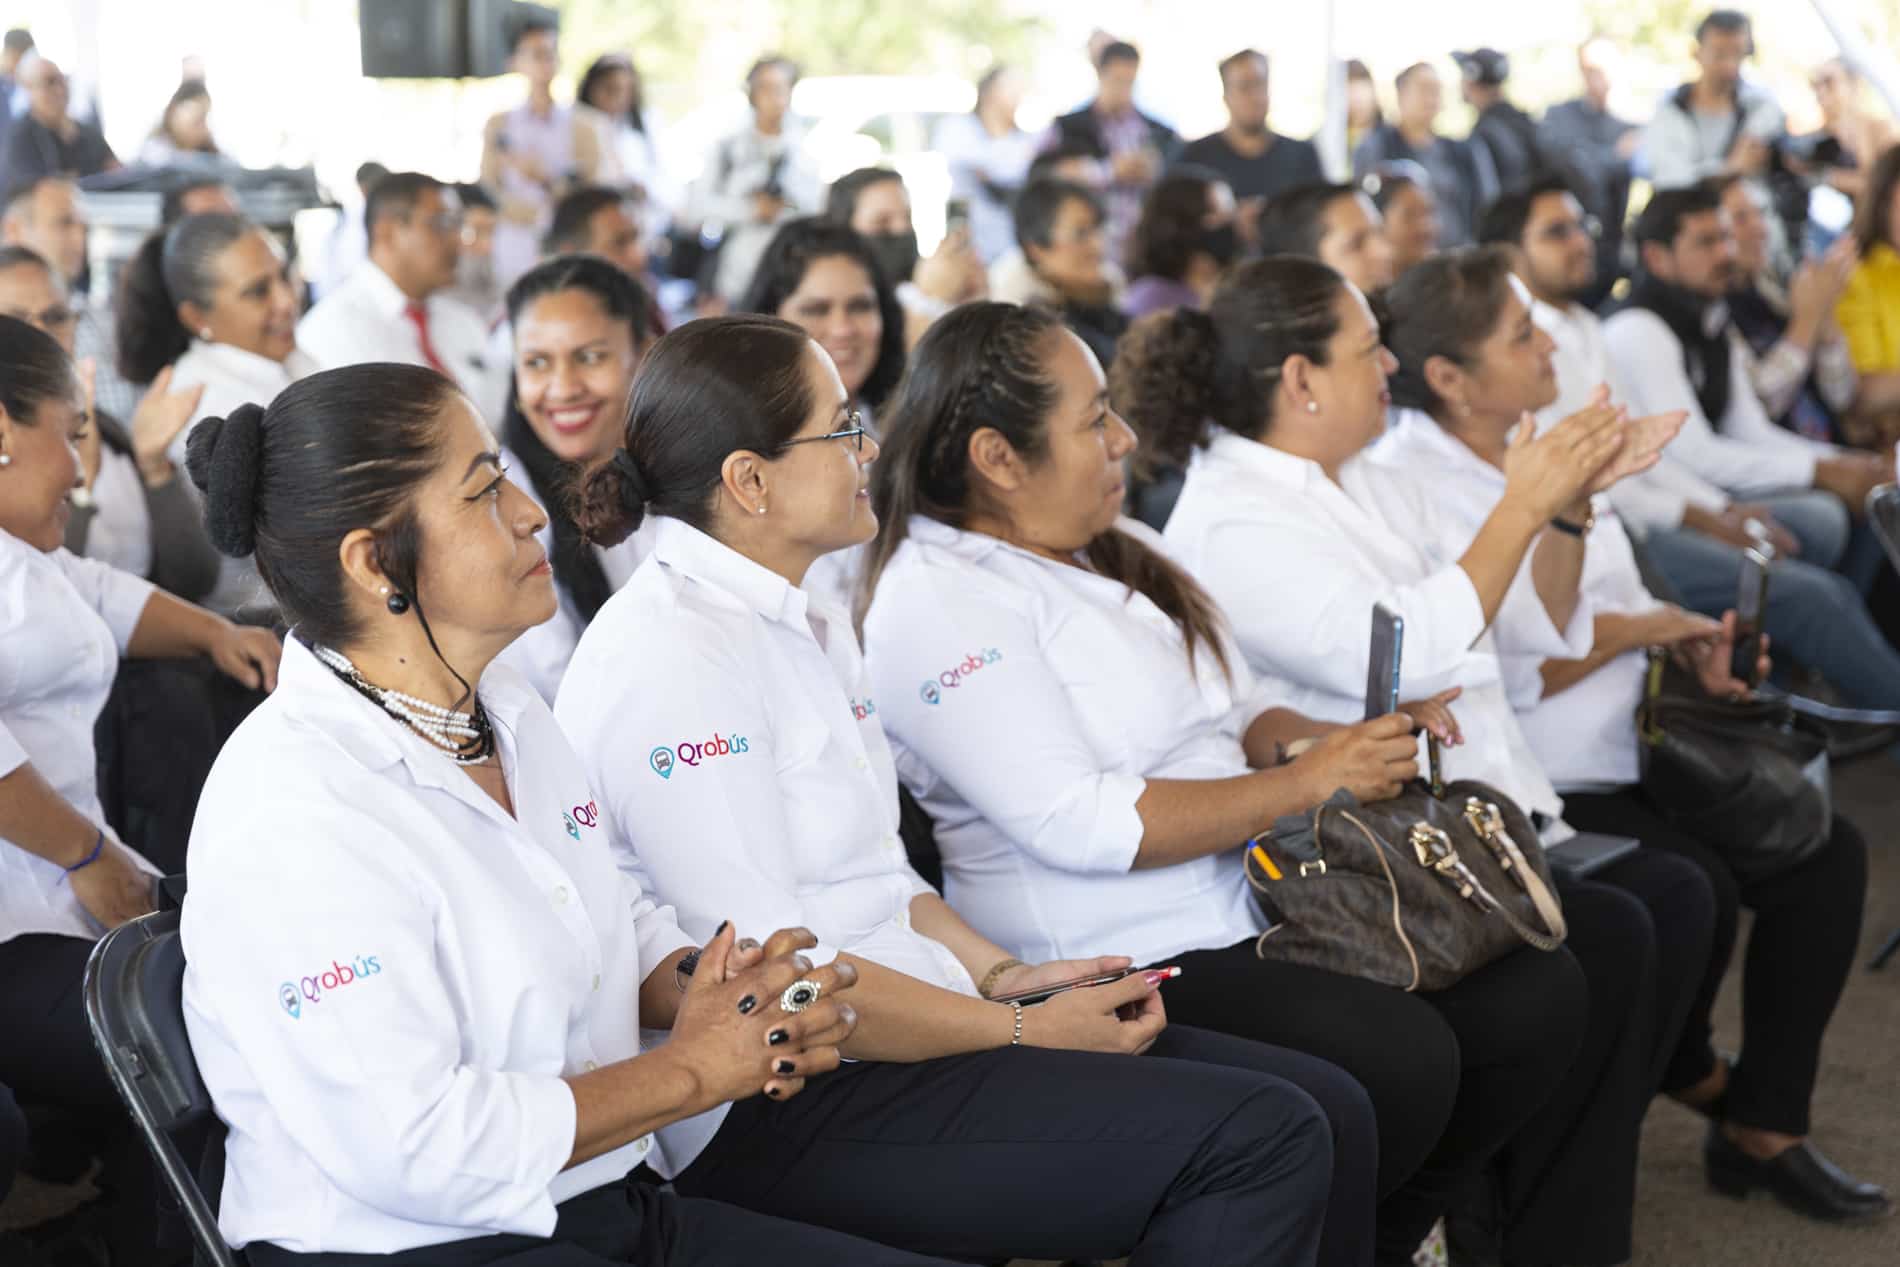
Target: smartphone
(1588, 852)
(956, 215)
(1382, 668)
(1751, 601)
(1043, 993)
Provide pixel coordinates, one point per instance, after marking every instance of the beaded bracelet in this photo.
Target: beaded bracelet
(1017, 1039)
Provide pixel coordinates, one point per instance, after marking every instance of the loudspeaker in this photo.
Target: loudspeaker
(492, 25)
(414, 39)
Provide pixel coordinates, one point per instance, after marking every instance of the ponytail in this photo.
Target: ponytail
(173, 266)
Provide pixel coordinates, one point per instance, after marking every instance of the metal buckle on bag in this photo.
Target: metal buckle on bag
(1436, 853)
(1487, 820)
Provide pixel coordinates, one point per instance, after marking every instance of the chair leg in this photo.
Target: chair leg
(1886, 952)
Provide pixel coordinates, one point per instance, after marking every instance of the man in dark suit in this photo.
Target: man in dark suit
(1129, 147)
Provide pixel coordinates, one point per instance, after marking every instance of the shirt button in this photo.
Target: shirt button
(597, 981)
(590, 1066)
(560, 895)
(892, 842)
(862, 763)
(645, 1143)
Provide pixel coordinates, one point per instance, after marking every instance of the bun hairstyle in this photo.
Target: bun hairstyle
(337, 451)
(983, 366)
(707, 390)
(1445, 305)
(1178, 373)
(173, 266)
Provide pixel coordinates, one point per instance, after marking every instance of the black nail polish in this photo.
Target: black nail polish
(784, 1066)
(778, 1037)
(747, 1004)
(772, 1091)
(722, 927)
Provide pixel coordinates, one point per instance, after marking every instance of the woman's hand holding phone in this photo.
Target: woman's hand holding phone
(1124, 1016)
(1372, 760)
(1026, 978)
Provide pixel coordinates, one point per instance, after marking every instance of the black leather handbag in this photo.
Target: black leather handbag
(1414, 892)
(1748, 778)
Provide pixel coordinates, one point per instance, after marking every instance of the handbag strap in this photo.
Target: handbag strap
(1497, 833)
(1391, 882)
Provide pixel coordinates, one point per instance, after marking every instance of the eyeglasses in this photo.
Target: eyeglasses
(855, 432)
(57, 317)
(1590, 227)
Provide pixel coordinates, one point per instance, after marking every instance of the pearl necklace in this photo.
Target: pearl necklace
(466, 738)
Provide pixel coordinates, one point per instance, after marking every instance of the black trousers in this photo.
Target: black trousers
(1807, 926)
(1178, 1156)
(1640, 928)
(1452, 1075)
(47, 1057)
(12, 1140)
(633, 1223)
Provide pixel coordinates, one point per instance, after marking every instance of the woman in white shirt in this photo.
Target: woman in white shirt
(1578, 714)
(733, 737)
(1070, 708)
(581, 327)
(1273, 425)
(416, 979)
(211, 297)
(65, 877)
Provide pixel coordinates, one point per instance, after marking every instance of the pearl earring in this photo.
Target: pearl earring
(204, 332)
(1312, 406)
(6, 459)
(761, 510)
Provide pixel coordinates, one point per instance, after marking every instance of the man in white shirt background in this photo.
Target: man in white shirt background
(1688, 530)
(395, 306)
(46, 216)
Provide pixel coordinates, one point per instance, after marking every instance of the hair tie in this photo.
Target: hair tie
(634, 490)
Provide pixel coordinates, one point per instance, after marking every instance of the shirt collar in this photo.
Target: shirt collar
(381, 290)
(310, 693)
(250, 369)
(681, 546)
(1415, 432)
(1255, 459)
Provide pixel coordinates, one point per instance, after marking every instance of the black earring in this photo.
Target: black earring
(398, 603)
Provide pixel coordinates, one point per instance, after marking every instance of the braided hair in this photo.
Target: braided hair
(984, 366)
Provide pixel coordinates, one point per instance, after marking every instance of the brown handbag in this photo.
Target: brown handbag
(1415, 892)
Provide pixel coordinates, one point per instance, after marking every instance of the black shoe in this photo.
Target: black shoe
(1800, 1178)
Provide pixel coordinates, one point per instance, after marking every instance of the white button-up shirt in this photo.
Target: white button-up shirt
(1585, 736)
(388, 976)
(1743, 452)
(736, 743)
(1656, 498)
(1029, 702)
(64, 621)
(364, 320)
(1297, 563)
(541, 654)
(231, 377)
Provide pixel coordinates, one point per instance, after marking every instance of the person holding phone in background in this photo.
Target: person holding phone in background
(874, 203)
(737, 747)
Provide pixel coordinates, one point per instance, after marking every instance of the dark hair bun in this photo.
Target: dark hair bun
(222, 455)
(610, 503)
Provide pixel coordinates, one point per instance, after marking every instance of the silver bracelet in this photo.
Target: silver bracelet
(1017, 1039)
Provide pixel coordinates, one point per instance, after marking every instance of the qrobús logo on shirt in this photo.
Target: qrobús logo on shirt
(292, 995)
(932, 691)
(863, 709)
(665, 760)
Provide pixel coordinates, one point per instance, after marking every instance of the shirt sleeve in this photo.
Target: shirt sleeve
(1778, 375)
(1669, 150)
(316, 970)
(1649, 365)
(12, 755)
(118, 597)
(968, 690)
(1300, 601)
(710, 833)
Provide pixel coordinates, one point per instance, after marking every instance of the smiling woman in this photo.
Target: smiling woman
(824, 278)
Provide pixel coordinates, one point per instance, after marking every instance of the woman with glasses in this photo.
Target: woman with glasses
(131, 511)
(727, 724)
(211, 298)
(1063, 231)
(580, 330)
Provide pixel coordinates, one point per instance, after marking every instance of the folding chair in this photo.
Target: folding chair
(1883, 512)
(135, 1005)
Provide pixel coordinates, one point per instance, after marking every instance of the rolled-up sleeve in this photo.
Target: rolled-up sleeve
(318, 978)
(1005, 736)
(12, 755)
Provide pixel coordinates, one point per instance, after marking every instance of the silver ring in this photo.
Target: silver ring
(800, 995)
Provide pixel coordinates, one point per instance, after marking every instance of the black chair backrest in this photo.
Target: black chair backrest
(135, 1006)
(920, 838)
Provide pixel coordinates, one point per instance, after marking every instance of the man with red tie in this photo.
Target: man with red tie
(396, 305)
